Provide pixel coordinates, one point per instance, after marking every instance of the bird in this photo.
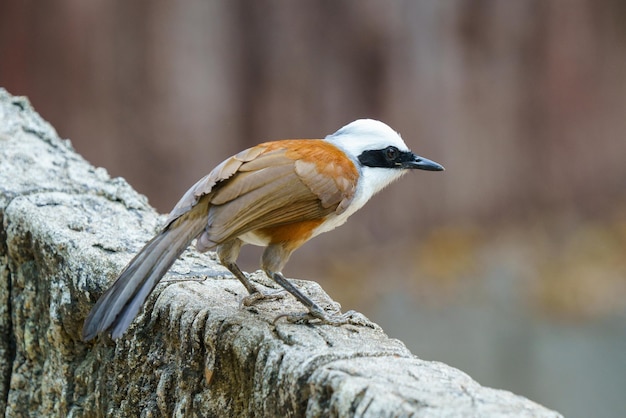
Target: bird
(277, 195)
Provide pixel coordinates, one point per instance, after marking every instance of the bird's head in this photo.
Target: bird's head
(379, 152)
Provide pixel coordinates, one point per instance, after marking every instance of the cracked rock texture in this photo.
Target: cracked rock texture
(67, 229)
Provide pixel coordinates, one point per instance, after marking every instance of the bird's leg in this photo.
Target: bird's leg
(316, 314)
(255, 294)
(227, 253)
(289, 287)
(273, 260)
(250, 287)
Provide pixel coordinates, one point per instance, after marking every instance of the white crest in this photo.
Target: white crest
(366, 134)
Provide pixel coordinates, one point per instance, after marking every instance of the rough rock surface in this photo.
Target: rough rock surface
(67, 229)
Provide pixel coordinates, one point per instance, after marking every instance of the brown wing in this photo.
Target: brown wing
(290, 181)
(205, 185)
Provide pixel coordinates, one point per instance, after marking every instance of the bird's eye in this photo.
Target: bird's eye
(391, 153)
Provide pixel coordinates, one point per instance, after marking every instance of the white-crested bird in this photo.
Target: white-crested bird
(278, 195)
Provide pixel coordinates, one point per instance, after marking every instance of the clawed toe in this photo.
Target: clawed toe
(258, 296)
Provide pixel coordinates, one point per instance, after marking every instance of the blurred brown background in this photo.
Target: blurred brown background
(510, 265)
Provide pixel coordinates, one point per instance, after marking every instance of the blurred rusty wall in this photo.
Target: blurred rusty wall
(509, 265)
(523, 102)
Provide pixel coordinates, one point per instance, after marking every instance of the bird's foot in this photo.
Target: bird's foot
(317, 316)
(260, 296)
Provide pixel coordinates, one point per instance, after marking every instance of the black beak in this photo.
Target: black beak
(422, 163)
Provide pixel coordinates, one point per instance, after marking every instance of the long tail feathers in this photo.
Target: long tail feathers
(119, 305)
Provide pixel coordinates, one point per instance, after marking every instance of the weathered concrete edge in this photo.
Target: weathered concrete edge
(210, 355)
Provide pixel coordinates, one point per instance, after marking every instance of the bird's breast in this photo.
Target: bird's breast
(334, 220)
